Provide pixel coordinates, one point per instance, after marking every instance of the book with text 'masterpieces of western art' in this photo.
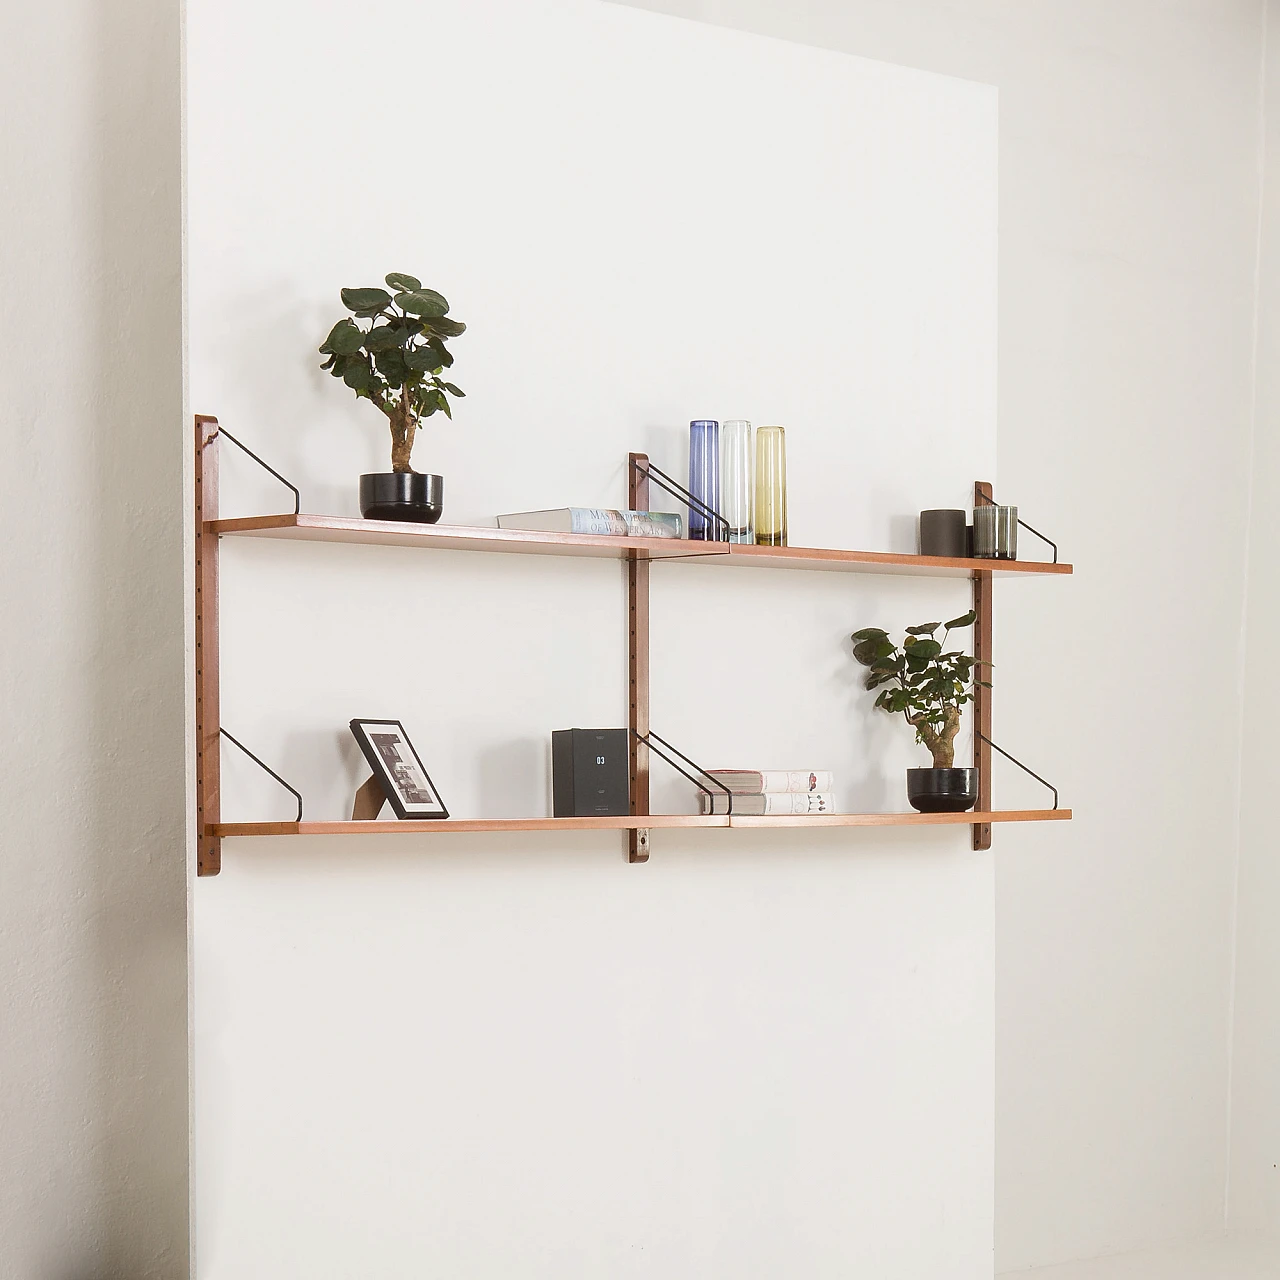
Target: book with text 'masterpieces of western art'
(601, 521)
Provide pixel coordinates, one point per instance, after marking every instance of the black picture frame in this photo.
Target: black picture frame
(394, 762)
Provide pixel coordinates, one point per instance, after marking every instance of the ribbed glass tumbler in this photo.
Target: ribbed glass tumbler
(704, 479)
(771, 487)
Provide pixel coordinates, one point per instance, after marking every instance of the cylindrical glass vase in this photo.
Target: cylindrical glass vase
(704, 479)
(737, 490)
(771, 487)
(995, 533)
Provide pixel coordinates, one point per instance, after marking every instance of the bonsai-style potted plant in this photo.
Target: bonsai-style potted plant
(927, 684)
(396, 361)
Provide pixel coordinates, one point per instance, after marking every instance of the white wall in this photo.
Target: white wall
(93, 949)
(1255, 1112)
(523, 1056)
(1128, 209)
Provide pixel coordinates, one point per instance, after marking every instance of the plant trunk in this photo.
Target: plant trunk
(941, 742)
(403, 429)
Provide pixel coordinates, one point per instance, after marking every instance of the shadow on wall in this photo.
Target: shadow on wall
(134, 842)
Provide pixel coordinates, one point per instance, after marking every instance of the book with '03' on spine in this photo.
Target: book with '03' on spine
(601, 521)
(773, 802)
(754, 782)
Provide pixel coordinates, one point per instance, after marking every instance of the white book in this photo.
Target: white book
(597, 520)
(753, 782)
(774, 802)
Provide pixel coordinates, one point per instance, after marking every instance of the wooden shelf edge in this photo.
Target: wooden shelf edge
(478, 538)
(899, 819)
(456, 826)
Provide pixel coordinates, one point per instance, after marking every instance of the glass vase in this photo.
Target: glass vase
(771, 487)
(704, 478)
(737, 490)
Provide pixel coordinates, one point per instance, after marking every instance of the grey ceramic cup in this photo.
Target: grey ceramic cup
(944, 533)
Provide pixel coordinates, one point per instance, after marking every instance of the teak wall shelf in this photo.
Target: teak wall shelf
(638, 554)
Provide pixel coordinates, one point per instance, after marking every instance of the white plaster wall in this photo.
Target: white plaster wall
(762, 1052)
(1128, 216)
(93, 947)
(1255, 1105)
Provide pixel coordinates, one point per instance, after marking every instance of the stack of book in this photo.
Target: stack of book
(771, 791)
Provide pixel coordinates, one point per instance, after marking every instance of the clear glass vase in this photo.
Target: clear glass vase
(737, 485)
(771, 487)
(704, 479)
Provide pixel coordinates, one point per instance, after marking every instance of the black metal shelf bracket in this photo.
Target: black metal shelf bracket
(297, 795)
(676, 490)
(1023, 767)
(1036, 532)
(266, 466)
(649, 739)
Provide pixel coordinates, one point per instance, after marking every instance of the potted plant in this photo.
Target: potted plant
(396, 361)
(927, 684)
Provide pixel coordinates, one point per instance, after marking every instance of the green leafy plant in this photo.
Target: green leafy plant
(922, 680)
(397, 360)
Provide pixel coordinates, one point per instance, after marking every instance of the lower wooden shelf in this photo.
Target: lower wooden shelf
(456, 826)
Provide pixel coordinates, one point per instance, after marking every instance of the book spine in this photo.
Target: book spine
(778, 802)
(598, 520)
(776, 781)
(653, 524)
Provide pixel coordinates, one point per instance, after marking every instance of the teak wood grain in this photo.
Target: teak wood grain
(456, 826)
(638, 661)
(982, 494)
(309, 528)
(207, 711)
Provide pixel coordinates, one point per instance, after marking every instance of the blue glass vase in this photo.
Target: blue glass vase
(704, 478)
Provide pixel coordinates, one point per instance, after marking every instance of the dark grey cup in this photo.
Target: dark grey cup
(944, 533)
(401, 495)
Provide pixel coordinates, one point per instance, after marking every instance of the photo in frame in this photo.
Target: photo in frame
(398, 769)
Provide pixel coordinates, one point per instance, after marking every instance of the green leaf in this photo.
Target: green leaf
(421, 360)
(398, 280)
(365, 301)
(345, 337)
(917, 648)
(443, 358)
(443, 401)
(383, 338)
(445, 327)
(422, 302)
(455, 391)
(357, 374)
(391, 364)
(329, 363)
(869, 633)
(873, 650)
(964, 620)
(924, 629)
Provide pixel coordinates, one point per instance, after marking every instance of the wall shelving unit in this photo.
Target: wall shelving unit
(638, 555)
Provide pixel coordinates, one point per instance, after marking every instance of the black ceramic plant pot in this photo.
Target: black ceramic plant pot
(942, 790)
(401, 495)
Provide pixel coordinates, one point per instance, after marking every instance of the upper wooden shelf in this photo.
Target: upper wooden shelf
(466, 538)
(497, 826)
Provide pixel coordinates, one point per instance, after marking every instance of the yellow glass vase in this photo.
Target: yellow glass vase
(771, 487)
